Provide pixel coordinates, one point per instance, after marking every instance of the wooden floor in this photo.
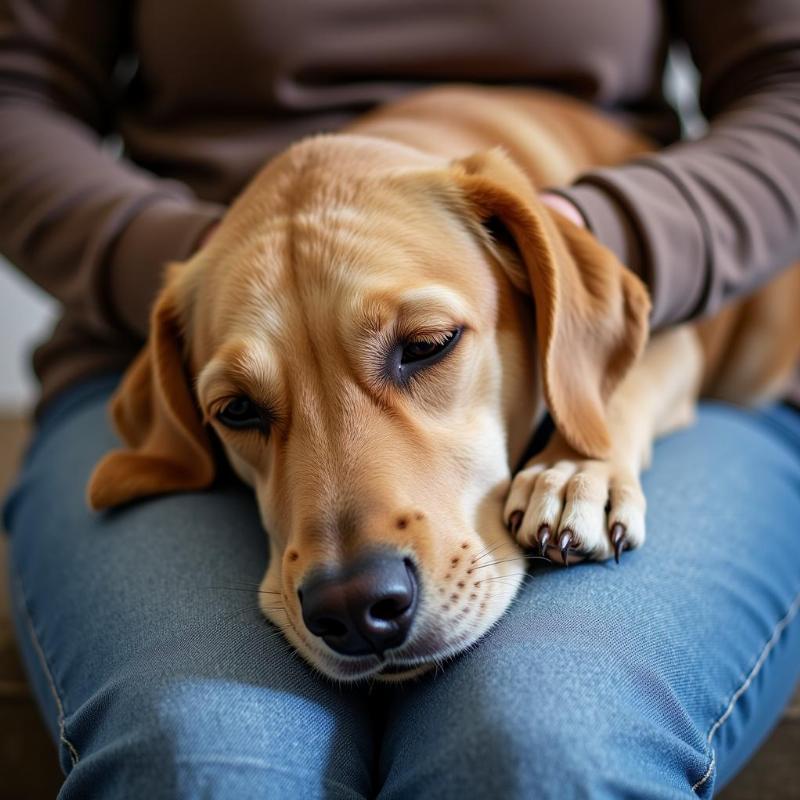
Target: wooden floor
(28, 762)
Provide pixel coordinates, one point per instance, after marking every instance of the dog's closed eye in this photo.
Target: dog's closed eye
(241, 413)
(425, 349)
(413, 355)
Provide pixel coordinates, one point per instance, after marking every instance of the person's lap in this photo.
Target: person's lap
(601, 680)
(172, 685)
(610, 681)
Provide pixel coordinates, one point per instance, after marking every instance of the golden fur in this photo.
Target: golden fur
(413, 223)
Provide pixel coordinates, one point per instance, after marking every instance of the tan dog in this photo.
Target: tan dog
(373, 334)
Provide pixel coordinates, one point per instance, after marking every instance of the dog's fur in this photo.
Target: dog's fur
(409, 225)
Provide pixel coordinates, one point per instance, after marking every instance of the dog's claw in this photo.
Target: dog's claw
(543, 538)
(514, 521)
(618, 539)
(564, 543)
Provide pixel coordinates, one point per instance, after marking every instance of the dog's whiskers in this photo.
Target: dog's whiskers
(251, 590)
(506, 560)
(488, 551)
(243, 586)
(484, 552)
(247, 609)
(238, 583)
(503, 577)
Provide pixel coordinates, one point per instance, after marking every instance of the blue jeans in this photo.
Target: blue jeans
(657, 678)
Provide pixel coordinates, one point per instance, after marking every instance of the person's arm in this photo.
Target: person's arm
(92, 230)
(705, 221)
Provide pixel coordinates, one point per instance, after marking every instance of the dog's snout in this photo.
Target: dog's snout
(366, 607)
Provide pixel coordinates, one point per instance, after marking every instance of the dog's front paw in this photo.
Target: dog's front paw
(575, 508)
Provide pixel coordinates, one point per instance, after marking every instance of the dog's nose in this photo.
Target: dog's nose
(366, 607)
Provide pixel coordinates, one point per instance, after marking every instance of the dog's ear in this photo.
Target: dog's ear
(167, 448)
(591, 312)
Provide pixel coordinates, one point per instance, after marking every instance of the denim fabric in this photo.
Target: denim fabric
(657, 678)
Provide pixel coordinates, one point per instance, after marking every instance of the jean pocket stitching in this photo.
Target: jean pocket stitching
(40, 655)
(777, 632)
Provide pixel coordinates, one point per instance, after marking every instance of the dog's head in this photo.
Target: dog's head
(371, 335)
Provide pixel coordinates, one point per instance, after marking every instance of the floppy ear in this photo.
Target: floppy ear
(154, 412)
(591, 312)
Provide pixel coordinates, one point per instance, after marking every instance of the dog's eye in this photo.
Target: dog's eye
(242, 412)
(427, 350)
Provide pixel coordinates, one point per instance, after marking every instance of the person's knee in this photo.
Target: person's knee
(552, 755)
(519, 748)
(564, 725)
(193, 737)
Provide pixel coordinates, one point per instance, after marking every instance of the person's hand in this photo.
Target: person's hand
(563, 206)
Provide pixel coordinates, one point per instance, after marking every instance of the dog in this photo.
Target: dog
(373, 334)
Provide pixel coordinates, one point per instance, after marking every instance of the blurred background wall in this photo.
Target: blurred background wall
(26, 314)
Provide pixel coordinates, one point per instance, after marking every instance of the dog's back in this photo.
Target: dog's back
(552, 137)
(751, 347)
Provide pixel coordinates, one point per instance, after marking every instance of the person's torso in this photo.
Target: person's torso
(221, 86)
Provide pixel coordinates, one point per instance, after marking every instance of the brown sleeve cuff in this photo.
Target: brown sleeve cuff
(164, 231)
(617, 204)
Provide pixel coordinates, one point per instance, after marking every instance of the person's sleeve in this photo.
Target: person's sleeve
(93, 230)
(705, 221)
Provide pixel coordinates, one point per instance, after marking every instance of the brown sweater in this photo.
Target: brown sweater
(200, 94)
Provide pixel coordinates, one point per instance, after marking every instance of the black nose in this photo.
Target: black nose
(366, 607)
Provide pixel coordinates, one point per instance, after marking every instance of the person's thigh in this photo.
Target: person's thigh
(140, 630)
(656, 678)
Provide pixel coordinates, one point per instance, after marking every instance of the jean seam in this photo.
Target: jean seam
(777, 632)
(40, 655)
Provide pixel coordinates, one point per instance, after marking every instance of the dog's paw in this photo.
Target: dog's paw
(574, 509)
